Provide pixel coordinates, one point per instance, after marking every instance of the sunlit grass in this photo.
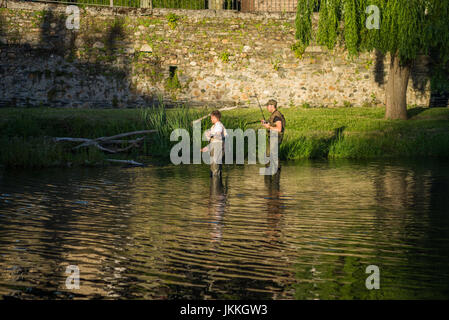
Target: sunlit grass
(355, 132)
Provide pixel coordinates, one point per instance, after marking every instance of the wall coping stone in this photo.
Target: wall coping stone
(108, 11)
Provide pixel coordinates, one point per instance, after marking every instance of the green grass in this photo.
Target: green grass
(356, 133)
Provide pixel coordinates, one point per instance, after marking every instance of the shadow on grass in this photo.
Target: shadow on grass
(411, 113)
(310, 147)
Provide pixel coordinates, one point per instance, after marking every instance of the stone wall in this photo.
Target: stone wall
(131, 57)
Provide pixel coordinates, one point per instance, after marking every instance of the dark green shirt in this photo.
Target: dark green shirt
(275, 117)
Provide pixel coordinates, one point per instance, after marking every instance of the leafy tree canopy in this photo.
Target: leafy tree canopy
(407, 28)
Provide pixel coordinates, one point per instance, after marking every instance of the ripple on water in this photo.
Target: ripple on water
(171, 232)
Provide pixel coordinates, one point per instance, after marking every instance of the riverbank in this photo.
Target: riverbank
(346, 132)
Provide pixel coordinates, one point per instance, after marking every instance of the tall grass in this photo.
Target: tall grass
(39, 152)
(26, 135)
(359, 133)
(164, 121)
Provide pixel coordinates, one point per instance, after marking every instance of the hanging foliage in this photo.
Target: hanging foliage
(328, 23)
(404, 29)
(367, 37)
(436, 27)
(351, 26)
(407, 27)
(304, 25)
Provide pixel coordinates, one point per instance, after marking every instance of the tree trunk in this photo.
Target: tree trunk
(396, 93)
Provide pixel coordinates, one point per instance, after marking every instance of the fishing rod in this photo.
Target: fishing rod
(255, 95)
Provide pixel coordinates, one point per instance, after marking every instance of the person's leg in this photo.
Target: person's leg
(278, 157)
(267, 151)
(281, 137)
(215, 169)
(273, 164)
(216, 161)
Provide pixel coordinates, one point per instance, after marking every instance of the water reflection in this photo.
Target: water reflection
(274, 207)
(217, 205)
(308, 232)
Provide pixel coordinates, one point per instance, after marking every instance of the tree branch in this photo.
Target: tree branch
(107, 140)
(222, 109)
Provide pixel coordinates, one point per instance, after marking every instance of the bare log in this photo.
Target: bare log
(222, 109)
(71, 139)
(123, 141)
(96, 144)
(131, 162)
(121, 135)
(108, 140)
(104, 139)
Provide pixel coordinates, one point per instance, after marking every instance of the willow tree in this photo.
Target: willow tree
(404, 29)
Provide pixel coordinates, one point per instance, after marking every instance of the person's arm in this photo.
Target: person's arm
(208, 136)
(277, 127)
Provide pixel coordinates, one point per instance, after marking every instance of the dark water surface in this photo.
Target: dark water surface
(169, 232)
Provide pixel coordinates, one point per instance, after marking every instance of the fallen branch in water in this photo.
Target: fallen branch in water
(130, 162)
(108, 140)
(222, 109)
(71, 139)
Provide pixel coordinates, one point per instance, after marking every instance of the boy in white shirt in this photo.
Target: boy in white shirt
(216, 135)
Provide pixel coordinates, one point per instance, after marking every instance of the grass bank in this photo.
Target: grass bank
(357, 133)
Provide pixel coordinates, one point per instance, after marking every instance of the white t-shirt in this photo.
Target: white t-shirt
(216, 135)
(218, 132)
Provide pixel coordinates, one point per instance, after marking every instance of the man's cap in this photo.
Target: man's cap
(272, 102)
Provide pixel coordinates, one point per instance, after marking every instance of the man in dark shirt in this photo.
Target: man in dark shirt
(275, 123)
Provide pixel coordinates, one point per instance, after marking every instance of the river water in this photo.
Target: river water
(168, 232)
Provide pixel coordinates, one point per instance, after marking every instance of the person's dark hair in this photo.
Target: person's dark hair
(216, 114)
(272, 102)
